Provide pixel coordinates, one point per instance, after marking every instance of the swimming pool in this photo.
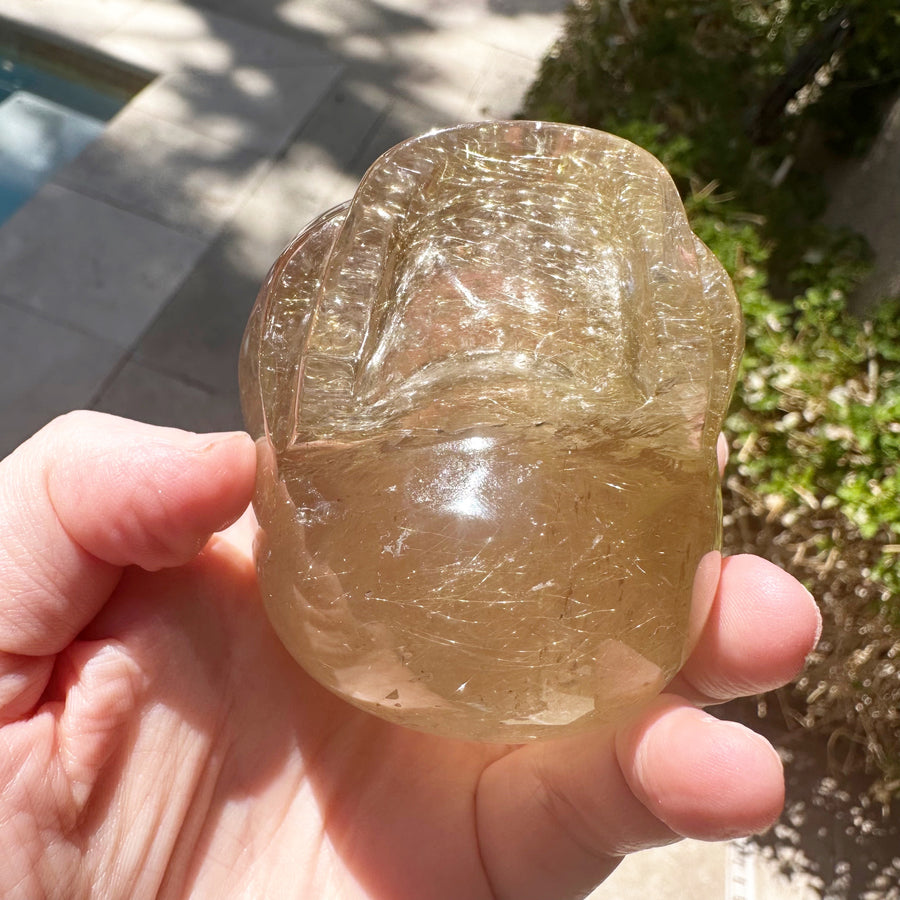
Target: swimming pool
(55, 98)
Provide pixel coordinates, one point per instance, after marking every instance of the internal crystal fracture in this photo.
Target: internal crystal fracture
(487, 393)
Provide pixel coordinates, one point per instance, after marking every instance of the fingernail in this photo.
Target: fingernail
(202, 443)
(812, 600)
(751, 735)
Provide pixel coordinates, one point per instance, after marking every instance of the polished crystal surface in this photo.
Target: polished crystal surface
(486, 393)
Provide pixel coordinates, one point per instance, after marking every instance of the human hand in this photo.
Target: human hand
(156, 739)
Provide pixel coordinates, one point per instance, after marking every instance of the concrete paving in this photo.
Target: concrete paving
(126, 281)
(693, 870)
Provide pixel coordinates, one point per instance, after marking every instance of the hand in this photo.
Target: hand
(157, 740)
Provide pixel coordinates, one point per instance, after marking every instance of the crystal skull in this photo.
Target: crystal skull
(486, 394)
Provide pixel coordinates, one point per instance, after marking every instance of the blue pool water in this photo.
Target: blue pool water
(49, 111)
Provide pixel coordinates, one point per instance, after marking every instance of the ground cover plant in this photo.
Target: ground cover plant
(747, 103)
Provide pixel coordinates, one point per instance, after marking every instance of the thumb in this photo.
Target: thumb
(91, 493)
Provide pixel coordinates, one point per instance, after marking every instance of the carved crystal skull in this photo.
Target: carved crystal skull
(486, 394)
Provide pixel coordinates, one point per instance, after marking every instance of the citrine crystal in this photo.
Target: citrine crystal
(486, 393)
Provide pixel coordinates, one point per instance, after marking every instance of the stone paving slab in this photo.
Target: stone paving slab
(91, 265)
(257, 107)
(166, 172)
(167, 400)
(197, 335)
(73, 18)
(323, 163)
(167, 35)
(48, 369)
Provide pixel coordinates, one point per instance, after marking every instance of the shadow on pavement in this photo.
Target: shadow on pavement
(845, 842)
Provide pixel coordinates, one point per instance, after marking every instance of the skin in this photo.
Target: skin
(156, 740)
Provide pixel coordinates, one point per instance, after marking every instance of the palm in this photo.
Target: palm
(170, 747)
(196, 761)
